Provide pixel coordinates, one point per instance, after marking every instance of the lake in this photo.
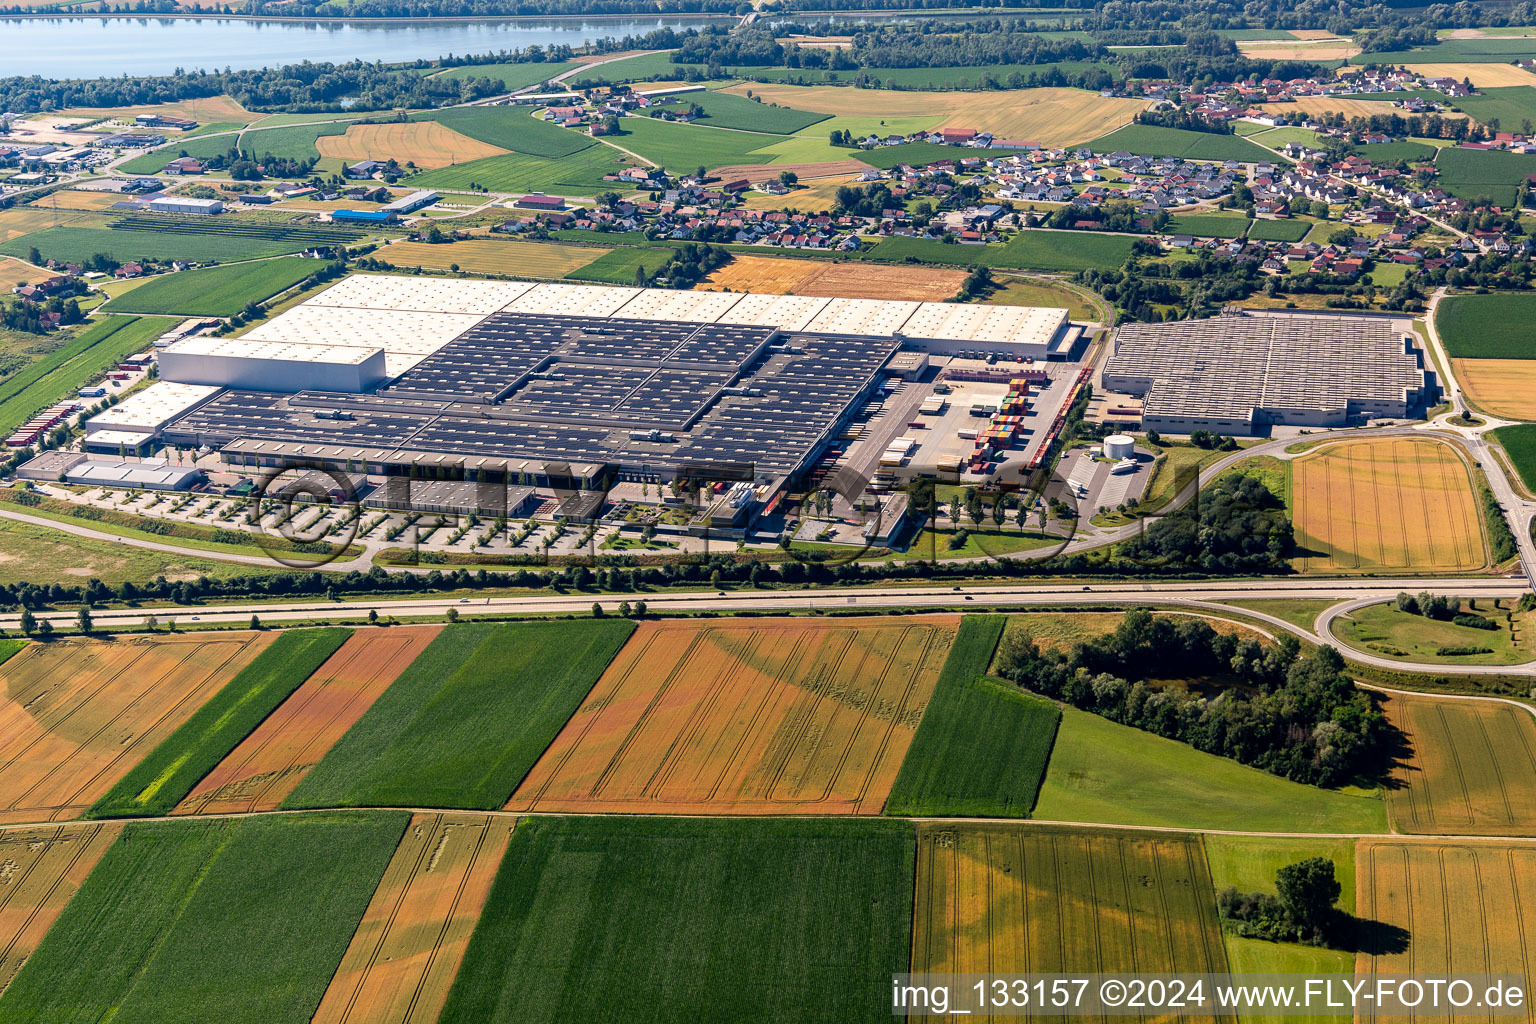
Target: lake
(96, 47)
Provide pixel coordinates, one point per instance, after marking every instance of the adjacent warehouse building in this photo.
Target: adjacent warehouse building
(1243, 373)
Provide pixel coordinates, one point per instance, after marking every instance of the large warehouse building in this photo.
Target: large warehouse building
(1242, 373)
(555, 385)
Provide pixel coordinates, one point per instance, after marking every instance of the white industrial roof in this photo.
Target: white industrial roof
(790, 312)
(394, 330)
(248, 348)
(149, 473)
(862, 316)
(686, 307)
(151, 408)
(572, 300)
(1026, 325)
(426, 294)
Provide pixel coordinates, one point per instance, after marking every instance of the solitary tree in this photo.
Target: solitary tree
(1308, 890)
(83, 618)
(28, 622)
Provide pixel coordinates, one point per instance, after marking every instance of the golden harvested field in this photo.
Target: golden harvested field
(206, 109)
(1472, 770)
(402, 959)
(1392, 503)
(1051, 117)
(807, 172)
(493, 256)
(23, 220)
(14, 272)
(1312, 33)
(794, 716)
(1325, 49)
(40, 869)
(1483, 76)
(812, 197)
(426, 143)
(1015, 899)
(774, 275)
(260, 773)
(1349, 108)
(1500, 387)
(78, 714)
(1465, 908)
(70, 199)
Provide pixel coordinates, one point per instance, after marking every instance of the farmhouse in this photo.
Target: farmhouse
(1241, 373)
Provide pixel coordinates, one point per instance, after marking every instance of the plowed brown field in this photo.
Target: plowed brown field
(78, 714)
(1016, 899)
(779, 276)
(406, 951)
(40, 869)
(1391, 503)
(797, 716)
(259, 773)
(1472, 770)
(1465, 908)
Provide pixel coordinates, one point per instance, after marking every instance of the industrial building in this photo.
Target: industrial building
(1245, 372)
(185, 205)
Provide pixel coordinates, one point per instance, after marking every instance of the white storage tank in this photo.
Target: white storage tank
(1119, 446)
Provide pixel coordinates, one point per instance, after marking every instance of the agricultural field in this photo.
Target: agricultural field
(1101, 771)
(726, 110)
(682, 147)
(515, 129)
(1151, 140)
(1279, 230)
(14, 272)
(1395, 634)
(1308, 50)
(79, 714)
(1474, 173)
(207, 240)
(1208, 225)
(1049, 116)
(25, 220)
(619, 266)
(29, 553)
(159, 782)
(1499, 387)
(1025, 291)
(790, 716)
(1476, 50)
(42, 869)
(236, 920)
(639, 68)
(260, 773)
(1391, 503)
(808, 197)
(1519, 443)
(579, 174)
(516, 75)
(610, 920)
(1033, 249)
(1470, 767)
(427, 144)
(492, 256)
(1487, 77)
(465, 722)
(1446, 908)
(982, 746)
(213, 291)
(202, 148)
(1024, 899)
(914, 153)
(783, 276)
(71, 199)
(1489, 326)
(405, 953)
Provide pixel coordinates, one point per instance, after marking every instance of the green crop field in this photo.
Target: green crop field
(1279, 230)
(215, 291)
(918, 154)
(100, 345)
(292, 142)
(1481, 50)
(1494, 326)
(1391, 152)
(646, 67)
(1112, 774)
(168, 237)
(1478, 173)
(617, 919)
(164, 778)
(201, 148)
(1208, 225)
(1520, 443)
(240, 921)
(1152, 140)
(511, 76)
(464, 723)
(682, 147)
(581, 173)
(982, 746)
(1032, 249)
(723, 110)
(514, 128)
(619, 266)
